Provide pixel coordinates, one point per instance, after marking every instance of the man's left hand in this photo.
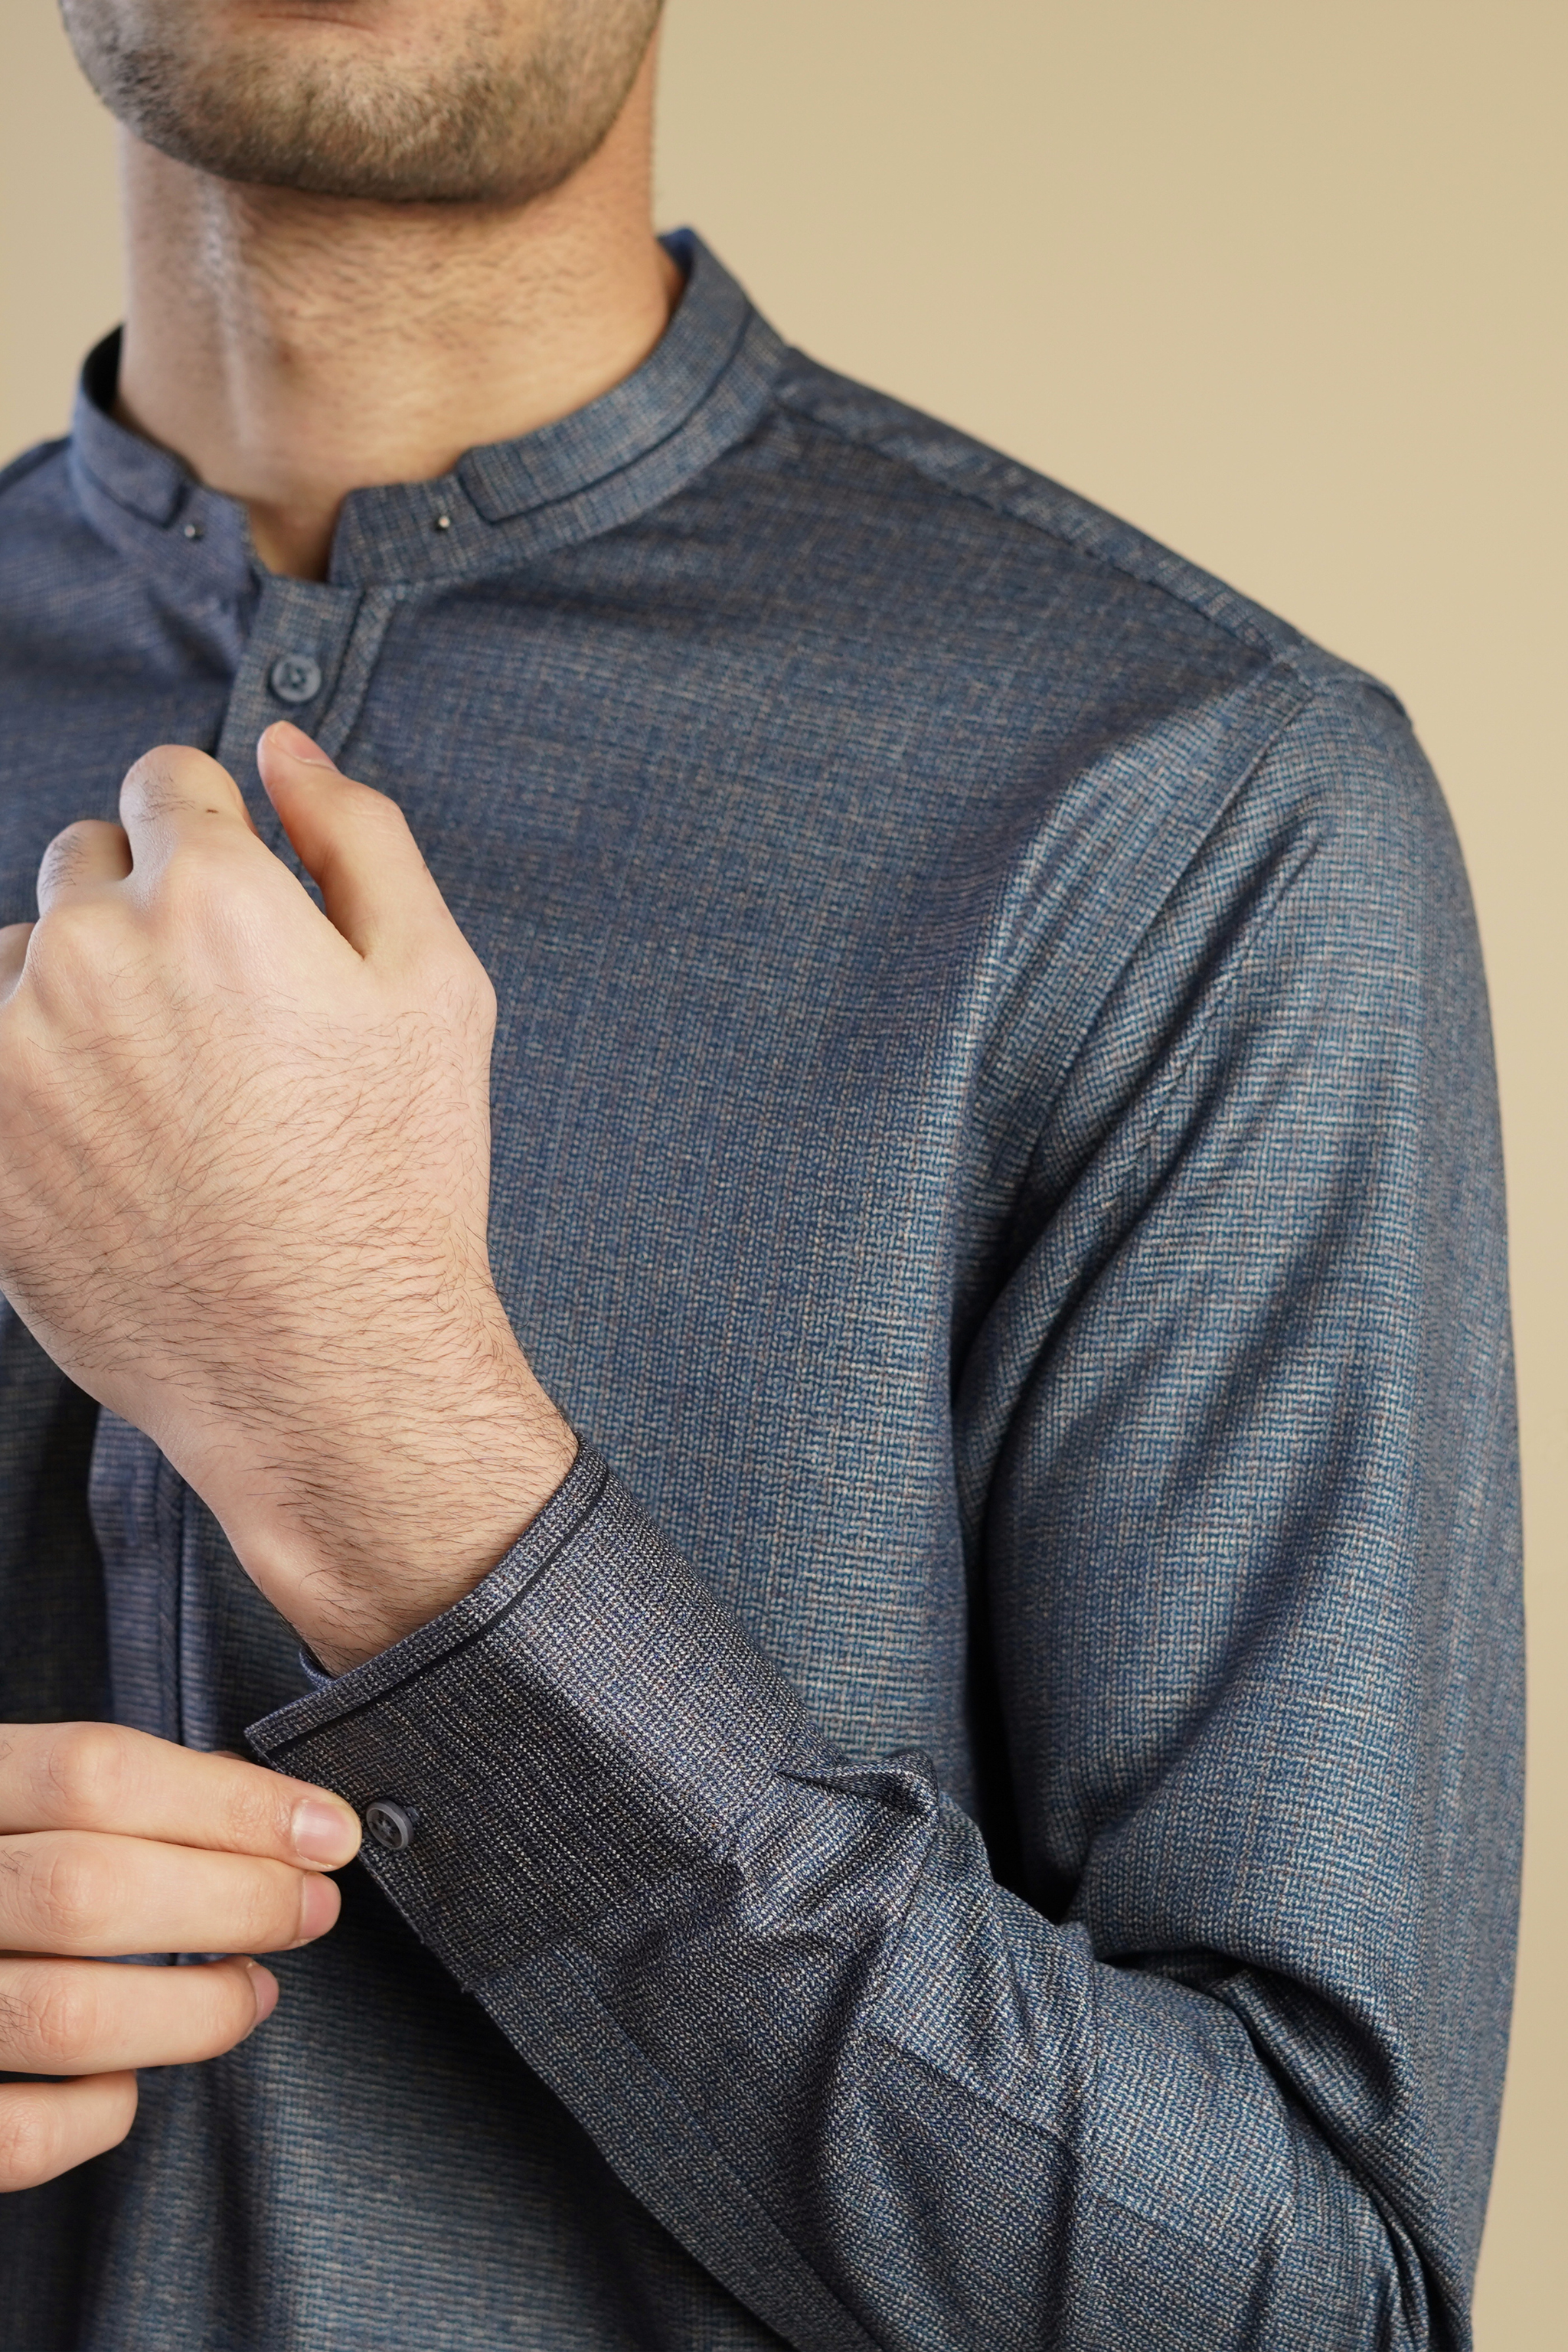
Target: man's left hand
(244, 1185)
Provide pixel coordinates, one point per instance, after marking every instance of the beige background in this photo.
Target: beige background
(1282, 284)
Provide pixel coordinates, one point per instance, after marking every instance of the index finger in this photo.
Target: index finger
(101, 1776)
(175, 788)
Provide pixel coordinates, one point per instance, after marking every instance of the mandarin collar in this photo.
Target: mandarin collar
(698, 393)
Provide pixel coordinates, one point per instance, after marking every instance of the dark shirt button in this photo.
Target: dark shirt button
(295, 678)
(390, 1824)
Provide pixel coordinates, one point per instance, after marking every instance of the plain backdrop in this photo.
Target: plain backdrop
(1283, 285)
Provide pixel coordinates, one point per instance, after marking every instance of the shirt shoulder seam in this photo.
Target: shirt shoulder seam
(1343, 686)
(1284, 646)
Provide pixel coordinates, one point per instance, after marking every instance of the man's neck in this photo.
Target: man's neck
(290, 348)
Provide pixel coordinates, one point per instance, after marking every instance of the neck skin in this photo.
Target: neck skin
(290, 348)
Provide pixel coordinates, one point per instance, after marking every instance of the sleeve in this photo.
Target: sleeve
(1218, 2067)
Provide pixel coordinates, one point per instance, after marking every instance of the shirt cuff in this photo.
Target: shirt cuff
(583, 1727)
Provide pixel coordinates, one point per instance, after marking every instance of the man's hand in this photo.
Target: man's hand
(244, 1185)
(112, 1843)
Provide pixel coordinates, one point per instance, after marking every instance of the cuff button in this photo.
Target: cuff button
(391, 1825)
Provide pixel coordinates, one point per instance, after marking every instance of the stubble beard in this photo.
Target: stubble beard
(502, 115)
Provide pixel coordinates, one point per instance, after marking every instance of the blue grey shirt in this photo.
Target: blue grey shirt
(984, 1813)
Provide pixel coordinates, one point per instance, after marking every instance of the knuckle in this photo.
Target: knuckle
(66, 1895)
(80, 1775)
(191, 874)
(65, 936)
(64, 2023)
(156, 784)
(18, 2021)
(67, 853)
(206, 898)
(380, 809)
(377, 810)
(37, 2136)
(29, 2135)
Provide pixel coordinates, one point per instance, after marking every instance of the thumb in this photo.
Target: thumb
(356, 846)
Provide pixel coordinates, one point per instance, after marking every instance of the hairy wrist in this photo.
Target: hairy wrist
(361, 1532)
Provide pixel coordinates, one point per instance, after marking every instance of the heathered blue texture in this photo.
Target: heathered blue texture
(1010, 1840)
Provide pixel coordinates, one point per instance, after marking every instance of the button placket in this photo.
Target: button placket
(291, 666)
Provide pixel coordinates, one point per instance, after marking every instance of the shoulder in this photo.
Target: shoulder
(1162, 737)
(38, 515)
(43, 458)
(976, 581)
(977, 503)
(1212, 808)
(1330, 744)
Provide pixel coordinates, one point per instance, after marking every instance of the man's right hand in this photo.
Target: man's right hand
(111, 1844)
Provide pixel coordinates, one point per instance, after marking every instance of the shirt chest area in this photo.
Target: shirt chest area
(737, 982)
(736, 899)
(713, 884)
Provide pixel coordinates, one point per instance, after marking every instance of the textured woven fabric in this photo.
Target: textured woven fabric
(984, 1813)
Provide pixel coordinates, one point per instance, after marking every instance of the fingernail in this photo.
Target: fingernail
(264, 1985)
(318, 1908)
(323, 1832)
(293, 740)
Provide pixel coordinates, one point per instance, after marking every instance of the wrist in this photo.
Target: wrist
(359, 1536)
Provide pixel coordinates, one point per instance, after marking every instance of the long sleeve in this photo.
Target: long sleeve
(1203, 2048)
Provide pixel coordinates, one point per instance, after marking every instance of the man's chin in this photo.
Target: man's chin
(316, 146)
(438, 112)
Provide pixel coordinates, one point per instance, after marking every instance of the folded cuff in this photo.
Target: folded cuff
(584, 1729)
